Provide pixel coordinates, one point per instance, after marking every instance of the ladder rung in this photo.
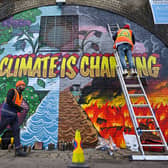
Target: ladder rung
(150, 130)
(144, 117)
(153, 145)
(140, 105)
(136, 95)
(133, 86)
(112, 25)
(149, 157)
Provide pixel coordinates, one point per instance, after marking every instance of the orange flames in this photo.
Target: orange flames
(111, 118)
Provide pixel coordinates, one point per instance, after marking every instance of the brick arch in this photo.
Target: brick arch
(134, 10)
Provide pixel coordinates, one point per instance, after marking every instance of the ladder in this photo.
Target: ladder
(126, 87)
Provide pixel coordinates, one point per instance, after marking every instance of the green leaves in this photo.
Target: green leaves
(28, 15)
(5, 35)
(41, 83)
(16, 26)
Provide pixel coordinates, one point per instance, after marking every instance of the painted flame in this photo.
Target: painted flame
(115, 118)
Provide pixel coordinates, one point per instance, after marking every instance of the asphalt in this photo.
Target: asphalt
(63, 159)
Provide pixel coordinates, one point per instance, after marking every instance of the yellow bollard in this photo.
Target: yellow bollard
(78, 154)
(78, 159)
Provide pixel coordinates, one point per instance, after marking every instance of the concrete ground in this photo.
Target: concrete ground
(61, 159)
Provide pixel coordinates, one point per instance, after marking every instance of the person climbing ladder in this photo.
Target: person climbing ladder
(124, 41)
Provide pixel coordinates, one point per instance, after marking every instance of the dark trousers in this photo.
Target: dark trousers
(125, 49)
(12, 120)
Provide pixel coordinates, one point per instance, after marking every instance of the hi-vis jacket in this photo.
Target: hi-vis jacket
(123, 36)
(16, 98)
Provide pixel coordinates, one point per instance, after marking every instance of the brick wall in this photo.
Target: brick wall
(135, 10)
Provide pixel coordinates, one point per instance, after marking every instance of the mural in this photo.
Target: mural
(101, 97)
(19, 41)
(79, 90)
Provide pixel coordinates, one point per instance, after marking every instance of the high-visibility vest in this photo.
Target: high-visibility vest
(16, 98)
(124, 36)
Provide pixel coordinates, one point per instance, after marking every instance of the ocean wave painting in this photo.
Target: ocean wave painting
(43, 125)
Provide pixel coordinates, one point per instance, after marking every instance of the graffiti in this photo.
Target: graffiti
(147, 67)
(30, 96)
(85, 34)
(19, 25)
(63, 87)
(91, 65)
(110, 115)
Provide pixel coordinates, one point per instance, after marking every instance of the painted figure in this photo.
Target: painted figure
(9, 110)
(124, 43)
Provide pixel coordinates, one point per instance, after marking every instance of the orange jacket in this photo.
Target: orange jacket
(124, 36)
(17, 99)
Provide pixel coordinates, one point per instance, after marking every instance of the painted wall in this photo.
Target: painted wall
(69, 91)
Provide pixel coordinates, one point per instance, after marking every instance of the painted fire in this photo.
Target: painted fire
(111, 118)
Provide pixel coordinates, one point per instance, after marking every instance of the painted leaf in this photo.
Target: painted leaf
(41, 83)
(31, 34)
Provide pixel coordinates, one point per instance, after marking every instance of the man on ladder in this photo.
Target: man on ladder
(124, 37)
(124, 43)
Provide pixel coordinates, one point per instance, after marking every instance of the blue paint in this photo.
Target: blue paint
(43, 125)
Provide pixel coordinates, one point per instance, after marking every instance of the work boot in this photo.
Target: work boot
(19, 152)
(125, 72)
(133, 72)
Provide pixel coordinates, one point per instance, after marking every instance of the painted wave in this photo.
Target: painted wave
(43, 125)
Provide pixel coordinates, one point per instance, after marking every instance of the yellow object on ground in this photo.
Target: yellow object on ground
(0, 140)
(12, 140)
(78, 154)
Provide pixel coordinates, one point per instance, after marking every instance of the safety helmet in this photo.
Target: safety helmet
(20, 83)
(127, 26)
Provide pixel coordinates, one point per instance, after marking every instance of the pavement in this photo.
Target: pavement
(62, 159)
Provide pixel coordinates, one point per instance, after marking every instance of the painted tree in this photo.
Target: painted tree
(20, 25)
